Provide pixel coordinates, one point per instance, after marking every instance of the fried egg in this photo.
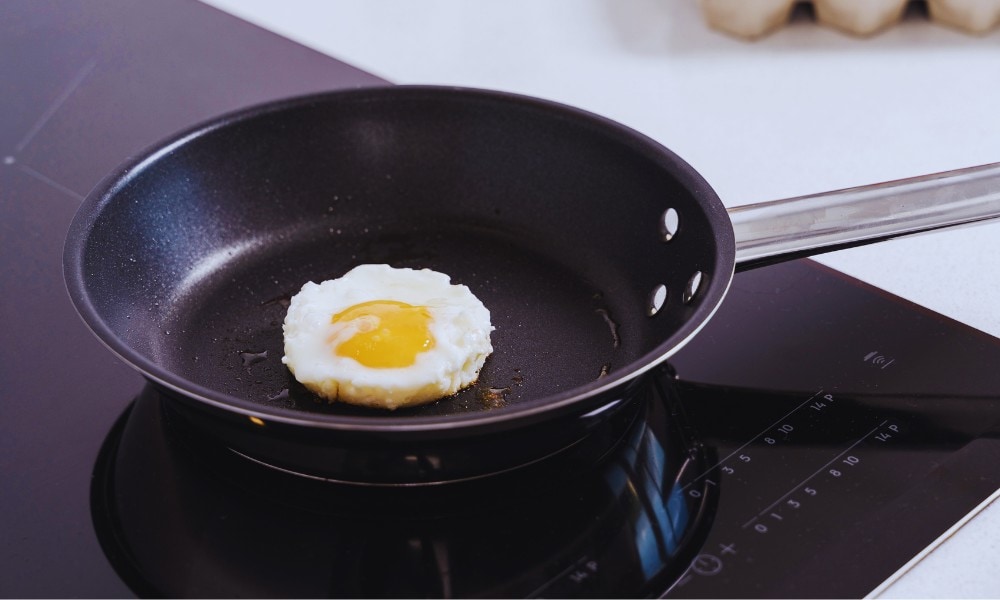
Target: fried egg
(386, 337)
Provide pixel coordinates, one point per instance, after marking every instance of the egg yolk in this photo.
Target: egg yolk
(390, 334)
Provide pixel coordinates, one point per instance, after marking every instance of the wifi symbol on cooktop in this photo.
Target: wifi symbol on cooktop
(878, 360)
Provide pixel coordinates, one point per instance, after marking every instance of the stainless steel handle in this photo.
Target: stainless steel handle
(774, 231)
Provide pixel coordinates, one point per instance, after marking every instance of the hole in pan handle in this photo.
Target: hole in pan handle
(779, 230)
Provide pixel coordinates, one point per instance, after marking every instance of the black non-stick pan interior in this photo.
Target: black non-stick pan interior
(184, 261)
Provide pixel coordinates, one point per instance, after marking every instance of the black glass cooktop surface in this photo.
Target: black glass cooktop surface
(813, 439)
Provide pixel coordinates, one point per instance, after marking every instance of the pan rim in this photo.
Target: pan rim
(579, 399)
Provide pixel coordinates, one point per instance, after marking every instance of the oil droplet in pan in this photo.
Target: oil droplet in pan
(282, 395)
(251, 358)
(494, 397)
(612, 326)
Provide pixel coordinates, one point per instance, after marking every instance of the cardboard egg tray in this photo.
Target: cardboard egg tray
(752, 19)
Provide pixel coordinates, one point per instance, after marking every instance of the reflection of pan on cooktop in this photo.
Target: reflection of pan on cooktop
(598, 252)
(180, 515)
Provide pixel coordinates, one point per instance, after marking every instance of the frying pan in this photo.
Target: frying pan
(598, 252)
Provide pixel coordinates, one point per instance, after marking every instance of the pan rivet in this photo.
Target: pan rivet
(693, 285)
(657, 299)
(669, 223)
(257, 421)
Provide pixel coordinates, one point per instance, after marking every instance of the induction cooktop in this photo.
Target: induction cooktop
(814, 438)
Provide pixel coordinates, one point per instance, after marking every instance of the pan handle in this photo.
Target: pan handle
(780, 230)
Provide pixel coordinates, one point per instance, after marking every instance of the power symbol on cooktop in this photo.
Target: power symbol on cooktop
(706, 564)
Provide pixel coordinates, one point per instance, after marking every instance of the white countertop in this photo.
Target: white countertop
(805, 110)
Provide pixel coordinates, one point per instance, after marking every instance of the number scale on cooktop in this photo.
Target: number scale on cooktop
(834, 478)
(796, 480)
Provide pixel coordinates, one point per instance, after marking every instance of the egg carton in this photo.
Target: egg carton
(752, 19)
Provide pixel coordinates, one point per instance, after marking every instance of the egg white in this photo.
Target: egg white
(459, 322)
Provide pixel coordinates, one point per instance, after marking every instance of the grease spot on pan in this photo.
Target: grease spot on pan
(251, 358)
(492, 398)
(612, 326)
